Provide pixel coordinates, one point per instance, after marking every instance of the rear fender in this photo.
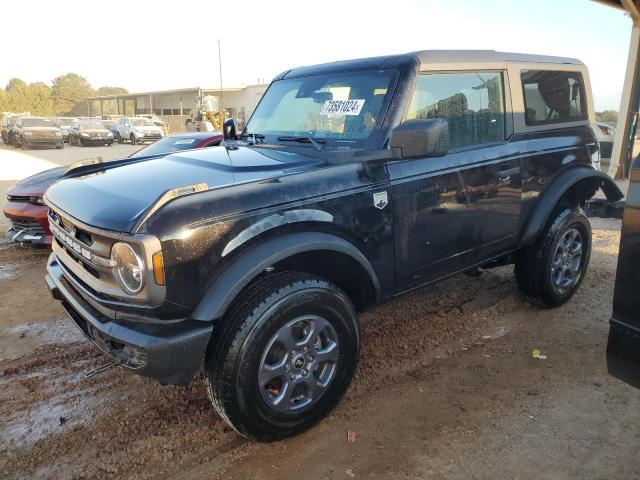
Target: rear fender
(555, 191)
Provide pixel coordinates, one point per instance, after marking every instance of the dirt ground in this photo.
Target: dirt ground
(446, 388)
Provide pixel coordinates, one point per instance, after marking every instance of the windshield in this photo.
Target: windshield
(91, 126)
(109, 123)
(168, 145)
(141, 122)
(37, 122)
(65, 122)
(343, 108)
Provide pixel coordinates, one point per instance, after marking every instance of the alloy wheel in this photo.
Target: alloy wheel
(298, 364)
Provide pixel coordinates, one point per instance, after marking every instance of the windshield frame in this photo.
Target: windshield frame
(47, 123)
(91, 125)
(135, 122)
(330, 143)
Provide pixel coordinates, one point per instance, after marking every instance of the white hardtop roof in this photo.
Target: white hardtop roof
(427, 57)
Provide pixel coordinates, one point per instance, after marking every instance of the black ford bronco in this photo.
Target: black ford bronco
(352, 183)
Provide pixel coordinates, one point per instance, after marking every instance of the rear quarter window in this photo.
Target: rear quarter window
(552, 97)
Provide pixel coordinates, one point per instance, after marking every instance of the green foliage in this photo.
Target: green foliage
(67, 96)
(69, 93)
(111, 91)
(22, 97)
(607, 116)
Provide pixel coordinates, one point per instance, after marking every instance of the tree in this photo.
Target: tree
(109, 107)
(111, 91)
(17, 95)
(609, 116)
(69, 93)
(39, 101)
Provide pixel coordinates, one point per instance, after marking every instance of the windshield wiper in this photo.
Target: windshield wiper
(255, 136)
(313, 141)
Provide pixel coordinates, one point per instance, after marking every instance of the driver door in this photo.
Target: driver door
(456, 211)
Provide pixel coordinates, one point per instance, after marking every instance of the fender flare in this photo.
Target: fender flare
(251, 263)
(555, 190)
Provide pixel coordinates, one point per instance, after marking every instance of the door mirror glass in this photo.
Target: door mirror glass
(421, 138)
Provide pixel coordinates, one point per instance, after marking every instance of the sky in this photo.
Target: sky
(160, 44)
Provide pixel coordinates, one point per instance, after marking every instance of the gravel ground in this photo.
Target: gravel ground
(446, 388)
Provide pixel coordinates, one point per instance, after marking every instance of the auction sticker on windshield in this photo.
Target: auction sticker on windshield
(342, 107)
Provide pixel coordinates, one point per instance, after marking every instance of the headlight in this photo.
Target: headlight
(128, 269)
(84, 134)
(36, 200)
(28, 133)
(109, 134)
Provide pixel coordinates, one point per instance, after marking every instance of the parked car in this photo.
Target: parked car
(605, 135)
(64, 123)
(8, 123)
(179, 142)
(26, 210)
(89, 132)
(352, 183)
(30, 132)
(112, 126)
(138, 130)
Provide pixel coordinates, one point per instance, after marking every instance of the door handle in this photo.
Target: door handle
(505, 175)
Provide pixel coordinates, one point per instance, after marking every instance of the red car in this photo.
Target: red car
(28, 213)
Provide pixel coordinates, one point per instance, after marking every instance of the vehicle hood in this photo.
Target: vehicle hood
(147, 128)
(42, 131)
(96, 131)
(35, 185)
(115, 196)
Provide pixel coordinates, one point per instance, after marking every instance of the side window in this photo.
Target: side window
(472, 102)
(553, 97)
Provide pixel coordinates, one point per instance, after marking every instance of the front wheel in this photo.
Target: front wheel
(284, 356)
(551, 270)
(133, 139)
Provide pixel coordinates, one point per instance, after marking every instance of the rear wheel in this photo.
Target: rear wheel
(284, 355)
(551, 270)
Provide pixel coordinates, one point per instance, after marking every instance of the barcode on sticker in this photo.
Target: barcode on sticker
(342, 107)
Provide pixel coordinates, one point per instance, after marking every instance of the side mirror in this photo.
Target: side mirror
(230, 129)
(421, 138)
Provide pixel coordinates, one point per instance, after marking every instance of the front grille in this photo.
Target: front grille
(19, 198)
(28, 226)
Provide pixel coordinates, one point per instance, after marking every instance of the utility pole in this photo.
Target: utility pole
(220, 63)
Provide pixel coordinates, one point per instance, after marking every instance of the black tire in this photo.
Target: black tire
(118, 137)
(80, 141)
(241, 344)
(132, 137)
(536, 266)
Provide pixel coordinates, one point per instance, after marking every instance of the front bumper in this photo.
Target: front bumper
(167, 352)
(28, 223)
(96, 141)
(43, 142)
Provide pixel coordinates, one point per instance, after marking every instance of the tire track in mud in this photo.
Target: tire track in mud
(135, 425)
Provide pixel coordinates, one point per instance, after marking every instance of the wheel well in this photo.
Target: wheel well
(579, 193)
(336, 267)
